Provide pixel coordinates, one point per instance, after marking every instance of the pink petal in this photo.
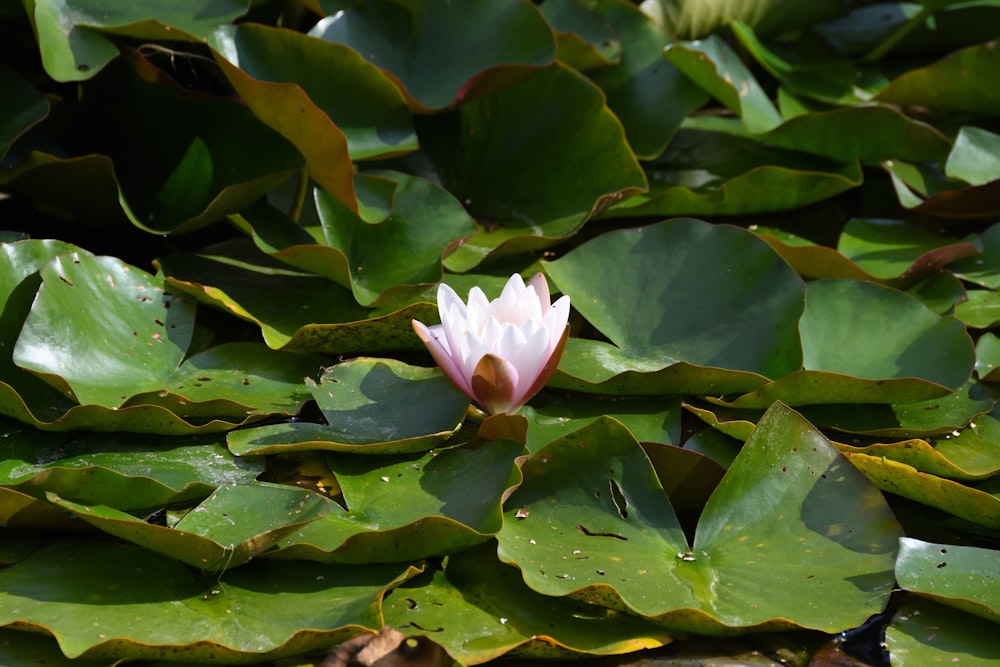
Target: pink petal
(443, 358)
(541, 287)
(547, 371)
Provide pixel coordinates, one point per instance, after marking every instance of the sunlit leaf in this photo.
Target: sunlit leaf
(592, 520)
(73, 35)
(699, 311)
(479, 609)
(958, 576)
(233, 525)
(453, 501)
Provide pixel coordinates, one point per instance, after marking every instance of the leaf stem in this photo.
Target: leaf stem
(299, 198)
(901, 31)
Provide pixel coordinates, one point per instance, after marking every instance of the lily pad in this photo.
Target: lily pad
(479, 609)
(22, 108)
(713, 65)
(355, 398)
(147, 606)
(925, 633)
(673, 271)
(234, 524)
(963, 501)
(407, 40)
(962, 577)
(958, 82)
(525, 199)
(296, 311)
(73, 35)
(360, 100)
(711, 167)
(453, 501)
(132, 473)
(591, 521)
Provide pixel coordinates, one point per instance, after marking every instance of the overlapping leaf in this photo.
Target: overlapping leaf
(355, 397)
(591, 520)
(136, 604)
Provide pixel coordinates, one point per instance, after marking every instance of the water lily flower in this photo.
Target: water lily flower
(500, 352)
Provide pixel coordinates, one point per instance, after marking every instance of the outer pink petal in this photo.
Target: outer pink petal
(541, 287)
(443, 358)
(546, 373)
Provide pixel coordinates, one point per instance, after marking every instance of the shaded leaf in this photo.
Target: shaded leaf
(649, 94)
(22, 107)
(924, 633)
(526, 199)
(709, 168)
(358, 98)
(405, 40)
(962, 81)
(714, 66)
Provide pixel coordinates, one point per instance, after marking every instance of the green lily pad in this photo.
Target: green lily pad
(980, 310)
(649, 420)
(128, 334)
(988, 357)
(453, 501)
(649, 94)
(847, 329)
(296, 311)
(21, 648)
(983, 269)
(20, 510)
(892, 249)
(592, 521)
(921, 419)
(526, 199)
(356, 397)
(132, 473)
(22, 108)
(146, 606)
(410, 250)
(925, 633)
(205, 169)
(963, 501)
(821, 77)
(479, 609)
(73, 34)
(962, 577)
(128, 347)
(962, 81)
(924, 189)
(974, 157)
(233, 525)
(584, 38)
(673, 265)
(712, 168)
(406, 40)
(713, 65)
(358, 98)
